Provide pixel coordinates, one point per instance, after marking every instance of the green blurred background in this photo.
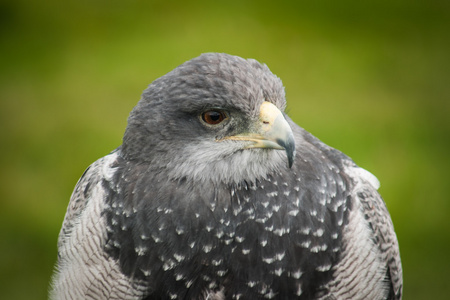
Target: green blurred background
(371, 78)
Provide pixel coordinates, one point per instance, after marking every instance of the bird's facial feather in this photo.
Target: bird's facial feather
(168, 129)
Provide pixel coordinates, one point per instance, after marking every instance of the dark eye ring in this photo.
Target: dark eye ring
(214, 117)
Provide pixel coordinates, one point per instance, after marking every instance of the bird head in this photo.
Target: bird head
(216, 117)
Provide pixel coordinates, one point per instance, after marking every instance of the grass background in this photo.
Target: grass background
(370, 78)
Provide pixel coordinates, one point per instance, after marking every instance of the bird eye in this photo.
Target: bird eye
(213, 117)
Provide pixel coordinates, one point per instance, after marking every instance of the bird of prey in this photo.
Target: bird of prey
(215, 193)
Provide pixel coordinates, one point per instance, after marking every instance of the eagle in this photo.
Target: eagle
(215, 193)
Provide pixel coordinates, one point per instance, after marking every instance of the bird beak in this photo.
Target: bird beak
(272, 131)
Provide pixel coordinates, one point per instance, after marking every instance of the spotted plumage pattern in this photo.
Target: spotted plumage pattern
(189, 210)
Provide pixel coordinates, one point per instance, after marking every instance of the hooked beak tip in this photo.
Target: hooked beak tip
(289, 146)
(274, 132)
